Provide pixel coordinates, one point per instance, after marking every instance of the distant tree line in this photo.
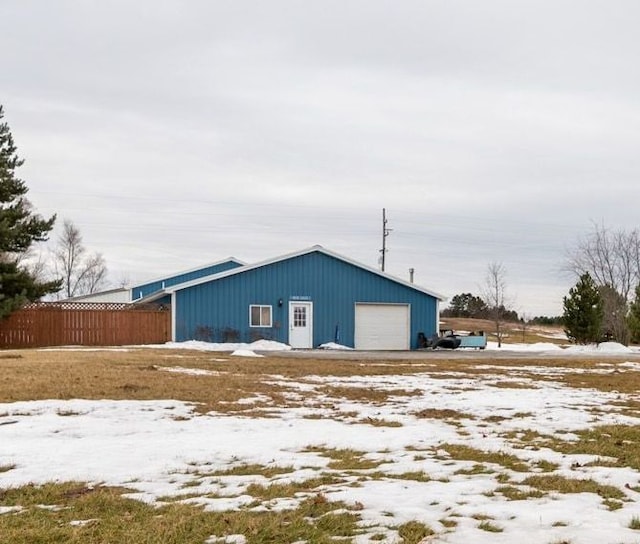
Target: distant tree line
(546, 320)
(473, 306)
(466, 305)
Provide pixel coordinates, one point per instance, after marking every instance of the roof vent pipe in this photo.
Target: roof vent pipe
(411, 271)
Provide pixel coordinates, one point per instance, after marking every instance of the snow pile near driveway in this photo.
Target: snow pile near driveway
(334, 345)
(604, 348)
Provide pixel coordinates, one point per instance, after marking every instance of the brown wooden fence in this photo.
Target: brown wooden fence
(85, 324)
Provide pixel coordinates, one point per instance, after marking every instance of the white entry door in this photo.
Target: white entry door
(301, 325)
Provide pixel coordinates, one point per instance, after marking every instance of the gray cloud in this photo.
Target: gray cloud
(177, 133)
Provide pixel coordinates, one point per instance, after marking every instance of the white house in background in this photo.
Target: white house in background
(121, 294)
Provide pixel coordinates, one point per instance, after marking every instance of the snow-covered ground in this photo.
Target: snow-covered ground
(159, 447)
(604, 348)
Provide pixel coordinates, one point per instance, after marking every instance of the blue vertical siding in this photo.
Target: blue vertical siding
(145, 289)
(220, 308)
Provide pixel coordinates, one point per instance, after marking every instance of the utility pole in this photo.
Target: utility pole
(385, 233)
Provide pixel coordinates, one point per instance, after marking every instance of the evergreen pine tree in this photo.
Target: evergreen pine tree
(634, 318)
(583, 311)
(19, 228)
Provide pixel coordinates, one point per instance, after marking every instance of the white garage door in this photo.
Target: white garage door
(382, 326)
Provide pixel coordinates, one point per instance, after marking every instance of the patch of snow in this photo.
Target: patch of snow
(82, 522)
(52, 507)
(245, 353)
(611, 348)
(255, 399)
(258, 345)
(9, 509)
(553, 335)
(334, 345)
(268, 345)
(603, 347)
(631, 365)
(229, 539)
(190, 371)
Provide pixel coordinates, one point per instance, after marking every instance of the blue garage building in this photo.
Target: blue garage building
(304, 299)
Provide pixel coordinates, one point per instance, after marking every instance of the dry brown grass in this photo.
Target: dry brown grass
(346, 459)
(366, 394)
(624, 382)
(442, 413)
(570, 485)
(123, 375)
(108, 517)
(513, 385)
(462, 452)
(135, 374)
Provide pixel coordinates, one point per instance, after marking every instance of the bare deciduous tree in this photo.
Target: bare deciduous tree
(123, 280)
(34, 261)
(524, 325)
(494, 295)
(610, 257)
(615, 309)
(81, 273)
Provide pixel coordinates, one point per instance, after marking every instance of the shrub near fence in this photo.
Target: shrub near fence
(85, 324)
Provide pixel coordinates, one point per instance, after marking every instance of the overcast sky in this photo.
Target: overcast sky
(177, 133)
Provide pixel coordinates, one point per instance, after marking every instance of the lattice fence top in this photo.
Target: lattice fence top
(112, 306)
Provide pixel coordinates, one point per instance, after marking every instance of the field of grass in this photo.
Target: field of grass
(397, 451)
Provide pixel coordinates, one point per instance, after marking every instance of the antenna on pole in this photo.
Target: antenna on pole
(385, 233)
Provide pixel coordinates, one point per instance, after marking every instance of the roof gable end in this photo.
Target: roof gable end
(316, 248)
(165, 277)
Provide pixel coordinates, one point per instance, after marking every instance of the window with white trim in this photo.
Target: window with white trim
(259, 315)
